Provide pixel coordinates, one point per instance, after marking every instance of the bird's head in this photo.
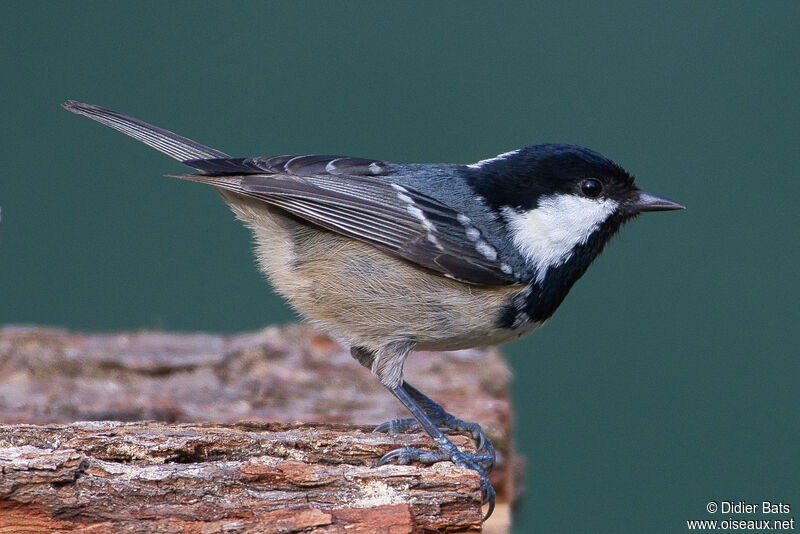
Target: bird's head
(560, 203)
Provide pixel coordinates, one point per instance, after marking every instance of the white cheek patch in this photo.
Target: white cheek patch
(548, 234)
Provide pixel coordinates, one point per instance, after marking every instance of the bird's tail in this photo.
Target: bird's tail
(169, 143)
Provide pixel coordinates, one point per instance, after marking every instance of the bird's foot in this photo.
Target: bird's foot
(407, 455)
(434, 420)
(449, 425)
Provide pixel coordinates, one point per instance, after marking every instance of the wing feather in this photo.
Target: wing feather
(396, 219)
(351, 196)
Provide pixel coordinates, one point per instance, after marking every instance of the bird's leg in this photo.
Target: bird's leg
(435, 412)
(446, 449)
(387, 365)
(446, 422)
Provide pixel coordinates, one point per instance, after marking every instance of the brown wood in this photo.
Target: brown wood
(266, 475)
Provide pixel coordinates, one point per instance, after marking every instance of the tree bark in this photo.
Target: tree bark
(266, 475)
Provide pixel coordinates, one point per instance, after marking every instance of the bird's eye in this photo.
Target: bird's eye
(591, 188)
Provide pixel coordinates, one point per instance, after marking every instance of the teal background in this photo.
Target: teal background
(668, 378)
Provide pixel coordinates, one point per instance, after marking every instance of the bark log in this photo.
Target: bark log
(266, 475)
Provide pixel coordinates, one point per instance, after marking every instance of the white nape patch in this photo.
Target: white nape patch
(548, 234)
(481, 163)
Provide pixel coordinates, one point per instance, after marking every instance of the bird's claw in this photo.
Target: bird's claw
(449, 425)
(407, 455)
(484, 445)
(398, 426)
(476, 462)
(489, 497)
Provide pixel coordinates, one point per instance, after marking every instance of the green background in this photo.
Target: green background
(668, 378)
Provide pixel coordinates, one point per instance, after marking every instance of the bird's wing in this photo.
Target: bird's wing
(349, 196)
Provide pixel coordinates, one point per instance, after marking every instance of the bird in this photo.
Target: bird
(396, 257)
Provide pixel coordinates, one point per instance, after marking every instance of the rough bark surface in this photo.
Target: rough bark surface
(250, 477)
(266, 475)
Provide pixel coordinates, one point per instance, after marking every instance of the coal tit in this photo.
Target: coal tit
(394, 257)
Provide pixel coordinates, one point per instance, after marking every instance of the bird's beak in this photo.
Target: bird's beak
(648, 202)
